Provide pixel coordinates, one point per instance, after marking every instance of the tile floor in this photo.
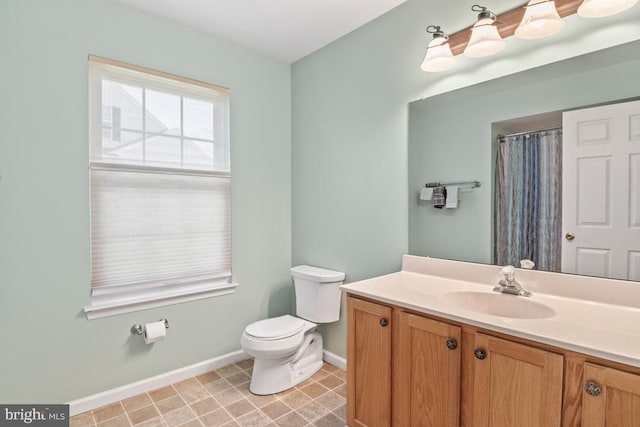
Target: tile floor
(222, 398)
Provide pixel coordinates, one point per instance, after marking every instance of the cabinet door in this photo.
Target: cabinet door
(515, 385)
(369, 363)
(426, 374)
(611, 397)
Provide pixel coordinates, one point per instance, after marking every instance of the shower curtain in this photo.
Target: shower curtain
(528, 199)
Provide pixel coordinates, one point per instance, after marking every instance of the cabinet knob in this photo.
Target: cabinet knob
(592, 388)
(452, 344)
(480, 353)
(384, 322)
(569, 236)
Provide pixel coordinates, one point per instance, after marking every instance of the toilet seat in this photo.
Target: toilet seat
(277, 337)
(275, 328)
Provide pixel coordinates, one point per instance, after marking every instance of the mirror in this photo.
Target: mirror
(452, 138)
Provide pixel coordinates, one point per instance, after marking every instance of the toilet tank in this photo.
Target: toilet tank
(317, 293)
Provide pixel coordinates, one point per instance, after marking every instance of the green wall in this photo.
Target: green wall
(349, 153)
(439, 151)
(350, 158)
(49, 351)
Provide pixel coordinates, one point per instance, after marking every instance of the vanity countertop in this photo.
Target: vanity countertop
(599, 317)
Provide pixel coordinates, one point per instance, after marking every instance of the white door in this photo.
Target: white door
(600, 191)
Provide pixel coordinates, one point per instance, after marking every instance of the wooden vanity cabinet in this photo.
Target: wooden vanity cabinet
(369, 366)
(426, 372)
(514, 384)
(610, 397)
(409, 369)
(440, 379)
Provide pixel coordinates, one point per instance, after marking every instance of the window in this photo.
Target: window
(160, 189)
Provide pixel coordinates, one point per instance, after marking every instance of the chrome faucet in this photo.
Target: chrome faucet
(509, 284)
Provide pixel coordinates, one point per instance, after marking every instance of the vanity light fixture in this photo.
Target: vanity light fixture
(439, 56)
(533, 20)
(485, 39)
(541, 19)
(601, 8)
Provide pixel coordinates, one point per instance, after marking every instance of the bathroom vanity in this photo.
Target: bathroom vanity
(434, 345)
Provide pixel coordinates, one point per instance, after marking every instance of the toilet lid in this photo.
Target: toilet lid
(276, 327)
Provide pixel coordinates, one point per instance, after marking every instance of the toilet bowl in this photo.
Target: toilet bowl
(287, 349)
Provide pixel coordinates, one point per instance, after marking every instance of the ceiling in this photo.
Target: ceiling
(283, 29)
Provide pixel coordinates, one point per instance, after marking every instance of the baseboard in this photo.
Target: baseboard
(334, 359)
(117, 394)
(108, 397)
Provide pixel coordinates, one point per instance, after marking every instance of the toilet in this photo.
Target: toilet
(288, 349)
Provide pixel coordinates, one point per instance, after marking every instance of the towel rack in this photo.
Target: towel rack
(463, 184)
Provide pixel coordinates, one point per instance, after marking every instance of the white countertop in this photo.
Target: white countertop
(592, 325)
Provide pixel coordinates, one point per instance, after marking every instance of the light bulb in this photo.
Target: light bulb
(540, 20)
(439, 56)
(485, 39)
(601, 8)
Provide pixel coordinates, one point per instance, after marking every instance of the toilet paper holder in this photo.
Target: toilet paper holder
(138, 329)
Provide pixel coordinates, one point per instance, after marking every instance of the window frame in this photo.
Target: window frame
(106, 299)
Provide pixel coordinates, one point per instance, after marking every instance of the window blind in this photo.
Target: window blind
(160, 180)
(158, 228)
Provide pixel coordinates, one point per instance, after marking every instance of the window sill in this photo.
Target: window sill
(126, 302)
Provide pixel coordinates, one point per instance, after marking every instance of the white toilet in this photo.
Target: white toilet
(287, 349)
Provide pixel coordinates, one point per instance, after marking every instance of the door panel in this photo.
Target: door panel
(427, 373)
(616, 401)
(369, 364)
(601, 182)
(516, 385)
(594, 191)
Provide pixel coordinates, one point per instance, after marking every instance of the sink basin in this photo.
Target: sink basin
(497, 304)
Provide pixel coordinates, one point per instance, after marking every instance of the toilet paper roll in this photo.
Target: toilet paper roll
(155, 331)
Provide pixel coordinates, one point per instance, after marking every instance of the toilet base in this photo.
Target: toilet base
(275, 375)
